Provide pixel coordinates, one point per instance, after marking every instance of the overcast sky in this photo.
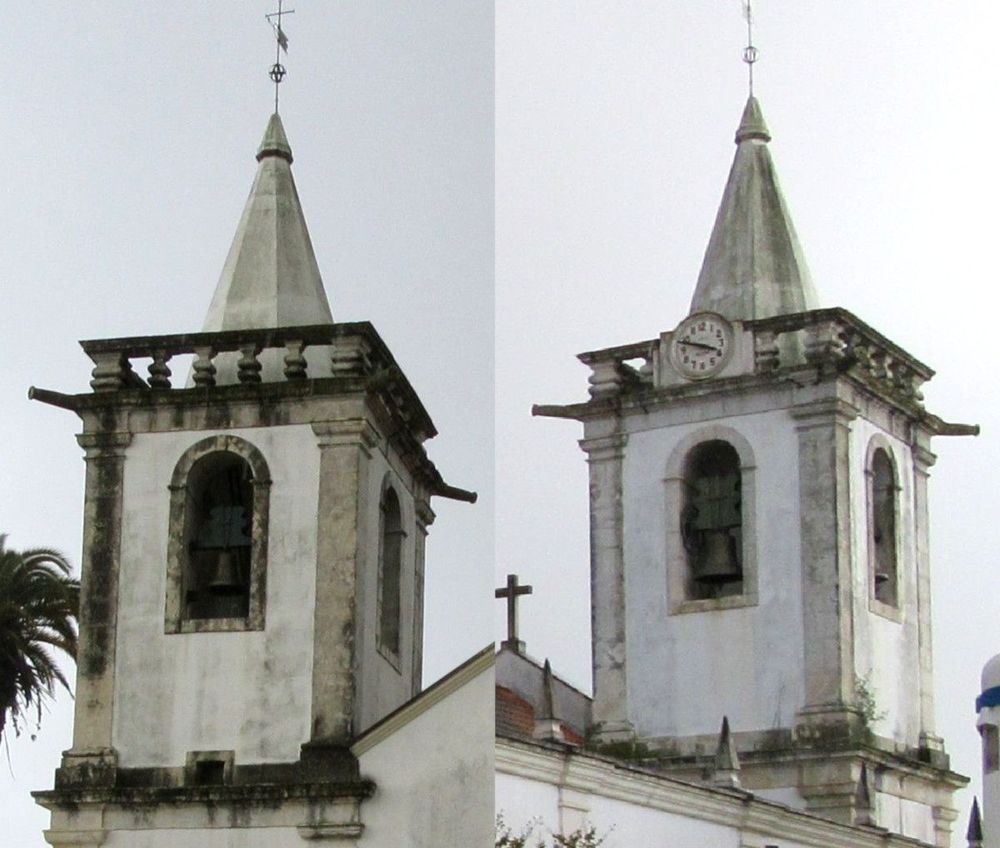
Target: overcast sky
(130, 135)
(130, 132)
(615, 125)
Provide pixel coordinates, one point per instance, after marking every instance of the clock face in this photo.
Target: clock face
(701, 345)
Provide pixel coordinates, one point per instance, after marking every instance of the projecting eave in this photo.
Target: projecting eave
(793, 351)
(363, 369)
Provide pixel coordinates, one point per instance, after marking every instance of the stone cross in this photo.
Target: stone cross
(511, 592)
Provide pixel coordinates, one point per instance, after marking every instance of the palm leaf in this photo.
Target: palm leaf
(39, 604)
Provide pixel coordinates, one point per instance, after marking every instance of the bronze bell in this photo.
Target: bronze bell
(718, 563)
(226, 579)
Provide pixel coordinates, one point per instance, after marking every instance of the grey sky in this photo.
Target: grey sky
(615, 125)
(131, 131)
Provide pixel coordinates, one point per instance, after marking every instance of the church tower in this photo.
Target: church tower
(253, 558)
(759, 534)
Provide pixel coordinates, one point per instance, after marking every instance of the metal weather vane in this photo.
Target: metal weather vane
(277, 72)
(750, 53)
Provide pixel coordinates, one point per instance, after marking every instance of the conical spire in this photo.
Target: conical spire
(271, 278)
(974, 835)
(754, 266)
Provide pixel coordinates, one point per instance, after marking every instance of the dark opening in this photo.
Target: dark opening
(712, 521)
(209, 772)
(884, 527)
(390, 569)
(219, 533)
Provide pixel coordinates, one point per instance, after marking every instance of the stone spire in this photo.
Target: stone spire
(753, 267)
(271, 278)
(548, 726)
(726, 765)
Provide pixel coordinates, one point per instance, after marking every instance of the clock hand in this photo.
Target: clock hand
(699, 344)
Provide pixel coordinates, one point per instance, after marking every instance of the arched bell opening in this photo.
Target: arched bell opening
(712, 521)
(392, 536)
(883, 517)
(219, 537)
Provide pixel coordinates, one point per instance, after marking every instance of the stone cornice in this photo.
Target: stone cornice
(731, 808)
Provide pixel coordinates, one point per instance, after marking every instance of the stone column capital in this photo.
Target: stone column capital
(821, 413)
(104, 443)
(604, 448)
(357, 432)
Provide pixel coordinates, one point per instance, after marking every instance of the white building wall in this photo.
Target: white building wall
(745, 662)
(243, 691)
(435, 774)
(628, 808)
(886, 649)
(383, 686)
(270, 837)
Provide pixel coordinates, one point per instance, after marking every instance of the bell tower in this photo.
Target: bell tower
(253, 557)
(759, 533)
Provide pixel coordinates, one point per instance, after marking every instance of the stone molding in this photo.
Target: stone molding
(676, 564)
(759, 822)
(177, 543)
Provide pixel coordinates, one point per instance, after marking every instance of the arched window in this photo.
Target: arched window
(389, 573)
(218, 527)
(882, 527)
(218, 538)
(712, 521)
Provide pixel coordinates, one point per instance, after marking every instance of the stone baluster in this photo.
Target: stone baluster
(159, 371)
(605, 379)
(204, 370)
(766, 356)
(295, 362)
(248, 368)
(348, 355)
(110, 369)
(824, 343)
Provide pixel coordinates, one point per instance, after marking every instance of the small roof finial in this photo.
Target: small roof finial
(277, 71)
(750, 53)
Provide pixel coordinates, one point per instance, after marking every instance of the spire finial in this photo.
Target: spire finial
(277, 72)
(749, 52)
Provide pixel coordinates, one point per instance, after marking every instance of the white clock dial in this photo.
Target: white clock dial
(701, 345)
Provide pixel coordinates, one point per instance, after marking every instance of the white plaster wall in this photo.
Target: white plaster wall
(434, 776)
(686, 671)
(270, 837)
(910, 818)
(623, 823)
(244, 691)
(382, 688)
(886, 651)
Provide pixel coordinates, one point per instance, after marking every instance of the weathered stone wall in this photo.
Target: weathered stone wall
(686, 670)
(244, 691)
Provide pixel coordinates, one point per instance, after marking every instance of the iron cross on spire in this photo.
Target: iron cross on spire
(511, 592)
(749, 52)
(277, 72)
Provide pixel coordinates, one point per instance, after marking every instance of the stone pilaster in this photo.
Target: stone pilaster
(92, 758)
(607, 575)
(425, 517)
(345, 448)
(825, 539)
(923, 459)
